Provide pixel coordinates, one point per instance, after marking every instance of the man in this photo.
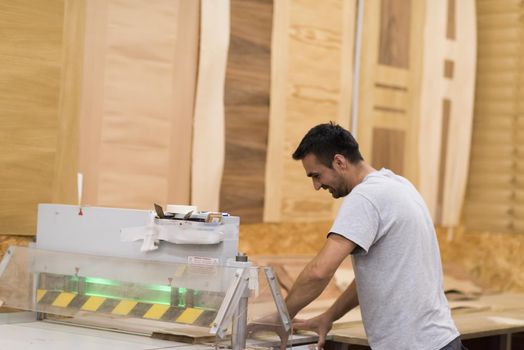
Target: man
(386, 227)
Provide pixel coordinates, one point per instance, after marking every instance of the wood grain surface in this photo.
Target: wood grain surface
(309, 46)
(64, 188)
(31, 55)
(137, 102)
(207, 162)
(246, 100)
(494, 200)
(389, 85)
(446, 111)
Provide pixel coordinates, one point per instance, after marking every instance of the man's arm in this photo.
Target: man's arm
(318, 272)
(345, 302)
(322, 323)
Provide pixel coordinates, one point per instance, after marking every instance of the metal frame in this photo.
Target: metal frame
(230, 302)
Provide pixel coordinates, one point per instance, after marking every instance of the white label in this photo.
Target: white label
(201, 260)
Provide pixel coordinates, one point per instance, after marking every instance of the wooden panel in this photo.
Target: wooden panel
(309, 86)
(494, 199)
(390, 94)
(31, 54)
(184, 77)
(137, 102)
(312, 87)
(66, 164)
(443, 176)
(247, 109)
(277, 112)
(208, 130)
(388, 150)
(394, 43)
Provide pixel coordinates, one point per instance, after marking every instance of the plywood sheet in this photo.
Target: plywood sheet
(31, 54)
(246, 102)
(208, 127)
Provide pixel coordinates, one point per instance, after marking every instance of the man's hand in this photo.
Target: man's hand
(320, 324)
(269, 323)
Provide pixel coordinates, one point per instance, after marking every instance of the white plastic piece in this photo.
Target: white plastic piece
(178, 232)
(180, 209)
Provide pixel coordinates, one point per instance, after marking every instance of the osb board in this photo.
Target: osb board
(494, 261)
(310, 41)
(246, 102)
(6, 241)
(31, 53)
(283, 238)
(137, 100)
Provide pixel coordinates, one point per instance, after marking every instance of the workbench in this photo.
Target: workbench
(500, 328)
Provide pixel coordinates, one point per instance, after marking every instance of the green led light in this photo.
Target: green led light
(103, 281)
(145, 301)
(160, 288)
(182, 297)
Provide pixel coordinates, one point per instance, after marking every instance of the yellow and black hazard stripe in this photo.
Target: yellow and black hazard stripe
(129, 308)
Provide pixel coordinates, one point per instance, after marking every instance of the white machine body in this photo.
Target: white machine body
(98, 231)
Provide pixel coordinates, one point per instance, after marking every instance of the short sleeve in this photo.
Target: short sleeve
(357, 220)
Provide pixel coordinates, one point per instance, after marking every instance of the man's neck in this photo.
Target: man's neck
(359, 172)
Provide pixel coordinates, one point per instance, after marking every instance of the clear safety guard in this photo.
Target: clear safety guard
(236, 306)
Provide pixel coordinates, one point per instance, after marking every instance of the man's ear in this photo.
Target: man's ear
(340, 162)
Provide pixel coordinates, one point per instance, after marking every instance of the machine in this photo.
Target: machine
(173, 275)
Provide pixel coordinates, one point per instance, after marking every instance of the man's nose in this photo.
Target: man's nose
(317, 184)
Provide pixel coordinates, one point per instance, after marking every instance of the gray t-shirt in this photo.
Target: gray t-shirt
(397, 264)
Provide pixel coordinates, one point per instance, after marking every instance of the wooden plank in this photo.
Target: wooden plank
(277, 112)
(446, 127)
(247, 90)
(184, 78)
(66, 163)
(31, 54)
(208, 127)
(137, 102)
(311, 84)
(446, 116)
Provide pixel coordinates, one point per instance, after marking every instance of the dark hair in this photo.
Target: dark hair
(326, 140)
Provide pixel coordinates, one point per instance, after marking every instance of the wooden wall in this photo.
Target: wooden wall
(31, 56)
(494, 199)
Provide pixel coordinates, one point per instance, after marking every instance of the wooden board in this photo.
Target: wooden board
(310, 41)
(493, 198)
(64, 187)
(208, 128)
(137, 102)
(446, 110)
(389, 85)
(247, 109)
(31, 55)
